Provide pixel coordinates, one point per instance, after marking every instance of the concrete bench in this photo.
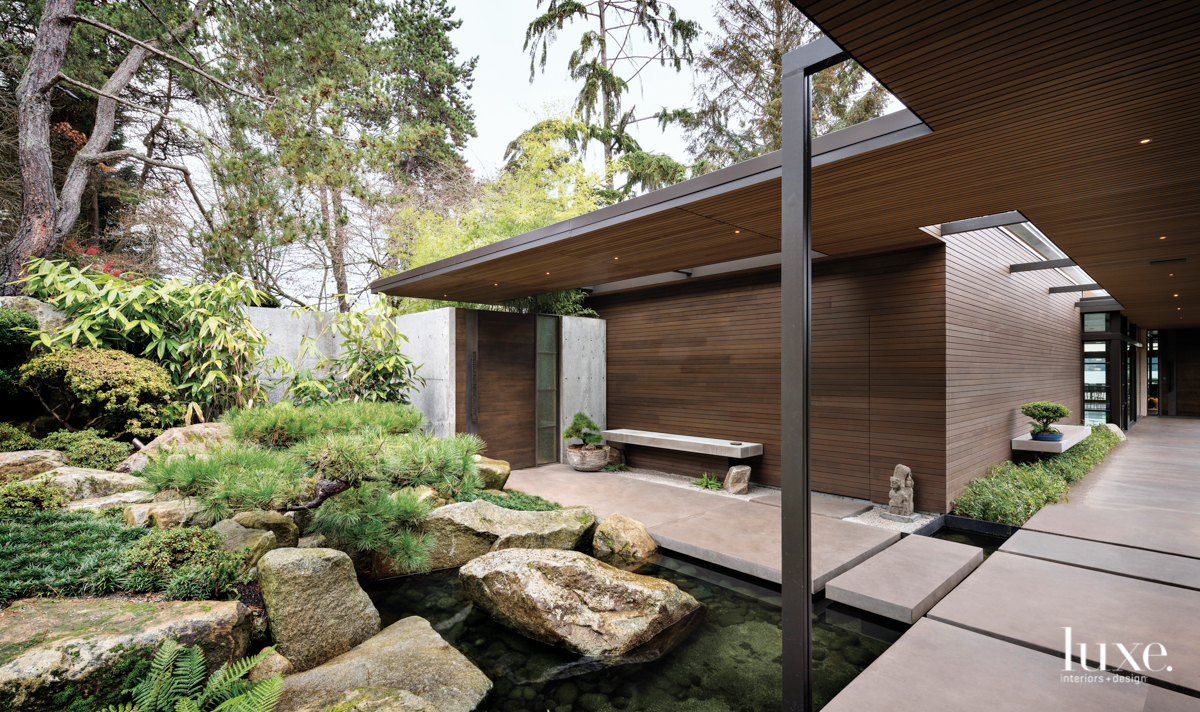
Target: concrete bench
(1072, 436)
(684, 443)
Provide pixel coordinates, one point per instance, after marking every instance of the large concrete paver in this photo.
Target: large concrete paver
(742, 536)
(1163, 530)
(838, 546)
(1031, 602)
(905, 580)
(936, 667)
(1138, 563)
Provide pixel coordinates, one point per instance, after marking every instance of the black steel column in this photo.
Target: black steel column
(798, 66)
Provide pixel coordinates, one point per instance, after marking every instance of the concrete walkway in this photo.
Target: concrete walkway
(745, 536)
(1119, 564)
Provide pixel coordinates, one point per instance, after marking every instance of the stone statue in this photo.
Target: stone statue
(900, 503)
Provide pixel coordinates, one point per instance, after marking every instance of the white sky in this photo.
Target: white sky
(506, 103)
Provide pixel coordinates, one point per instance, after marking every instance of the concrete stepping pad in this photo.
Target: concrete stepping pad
(1138, 563)
(838, 546)
(1029, 602)
(837, 507)
(935, 666)
(905, 580)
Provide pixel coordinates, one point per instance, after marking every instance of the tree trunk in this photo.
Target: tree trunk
(39, 202)
(94, 215)
(608, 120)
(337, 253)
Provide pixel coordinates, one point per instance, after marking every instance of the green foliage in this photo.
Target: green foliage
(15, 326)
(283, 425)
(616, 467)
(1011, 493)
(375, 517)
(516, 499)
(369, 367)
(87, 448)
(235, 478)
(568, 303)
(13, 439)
(56, 553)
(101, 388)
(189, 563)
(1044, 413)
(708, 481)
(178, 681)
(37, 495)
(198, 332)
(585, 429)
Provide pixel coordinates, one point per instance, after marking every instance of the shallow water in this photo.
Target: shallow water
(731, 663)
(989, 544)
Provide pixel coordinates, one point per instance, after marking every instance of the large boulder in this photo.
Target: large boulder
(50, 647)
(569, 599)
(164, 515)
(99, 504)
(24, 464)
(48, 318)
(466, 530)
(193, 439)
(373, 699)
(272, 665)
(407, 656)
(286, 531)
(494, 472)
(237, 537)
(315, 606)
(85, 483)
(623, 536)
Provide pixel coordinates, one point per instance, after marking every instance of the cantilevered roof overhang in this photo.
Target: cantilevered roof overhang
(1041, 108)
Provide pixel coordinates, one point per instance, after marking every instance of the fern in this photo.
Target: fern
(176, 682)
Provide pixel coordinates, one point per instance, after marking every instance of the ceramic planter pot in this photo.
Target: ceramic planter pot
(1047, 437)
(587, 460)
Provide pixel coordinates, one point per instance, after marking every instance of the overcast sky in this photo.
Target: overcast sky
(506, 103)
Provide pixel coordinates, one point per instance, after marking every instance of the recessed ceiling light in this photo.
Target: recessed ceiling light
(616, 258)
(735, 232)
(1177, 295)
(547, 273)
(1145, 140)
(1163, 237)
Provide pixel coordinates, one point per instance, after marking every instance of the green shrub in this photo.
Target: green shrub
(284, 424)
(105, 389)
(188, 562)
(87, 448)
(57, 553)
(234, 478)
(584, 429)
(14, 346)
(515, 500)
(13, 439)
(1044, 413)
(1011, 493)
(37, 495)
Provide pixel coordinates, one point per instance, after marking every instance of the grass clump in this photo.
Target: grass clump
(283, 424)
(87, 448)
(708, 481)
(1011, 493)
(14, 439)
(516, 499)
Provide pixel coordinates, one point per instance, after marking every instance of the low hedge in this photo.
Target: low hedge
(1011, 493)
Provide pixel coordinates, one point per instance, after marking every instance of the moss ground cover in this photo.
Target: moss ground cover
(515, 500)
(1012, 493)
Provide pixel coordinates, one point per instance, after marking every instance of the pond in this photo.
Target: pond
(988, 543)
(730, 663)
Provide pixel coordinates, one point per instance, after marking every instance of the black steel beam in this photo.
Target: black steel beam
(1093, 305)
(1012, 217)
(1075, 288)
(1044, 264)
(796, 274)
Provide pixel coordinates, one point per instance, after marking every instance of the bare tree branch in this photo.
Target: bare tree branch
(187, 175)
(64, 78)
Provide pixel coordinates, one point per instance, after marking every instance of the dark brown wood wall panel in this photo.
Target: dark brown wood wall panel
(507, 387)
(702, 358)
(1009, 342)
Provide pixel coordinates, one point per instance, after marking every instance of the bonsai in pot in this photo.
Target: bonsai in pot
(1044, 414)
(590, 454)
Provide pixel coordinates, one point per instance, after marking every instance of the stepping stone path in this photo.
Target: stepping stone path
(905, 580)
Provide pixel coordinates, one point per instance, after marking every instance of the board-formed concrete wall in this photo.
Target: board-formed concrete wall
(583, 375)
(285, 330)
(431, 344)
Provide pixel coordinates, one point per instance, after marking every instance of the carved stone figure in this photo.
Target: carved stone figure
(901, 500)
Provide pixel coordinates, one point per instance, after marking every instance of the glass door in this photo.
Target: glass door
(547, 389)
(1095, 382)
(1152, 372)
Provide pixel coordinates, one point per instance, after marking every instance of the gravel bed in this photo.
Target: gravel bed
(874, 519)
(685, 482)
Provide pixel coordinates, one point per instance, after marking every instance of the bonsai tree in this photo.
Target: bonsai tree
(1044, 414)
(585, 429)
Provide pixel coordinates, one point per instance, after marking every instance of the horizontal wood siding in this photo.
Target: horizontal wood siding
(702, 358)
(1009, 342)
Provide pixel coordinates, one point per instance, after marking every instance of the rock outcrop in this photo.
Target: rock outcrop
(85, 483)
(193, 439)
(272, 665)
(50, 645)
(569, 599)
(315, 606)
(623, 536)
(48, 318)
(99, 504)
(466, 530)
(24, 464)
(164, 515)
(286, 531)
(407, 657)
(237, 537)
(494, 472)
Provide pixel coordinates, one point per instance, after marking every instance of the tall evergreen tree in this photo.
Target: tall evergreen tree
(621, 39)
(740, 90)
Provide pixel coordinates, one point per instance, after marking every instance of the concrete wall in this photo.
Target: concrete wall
(431, 343)
(285, 330)
(583, 374)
